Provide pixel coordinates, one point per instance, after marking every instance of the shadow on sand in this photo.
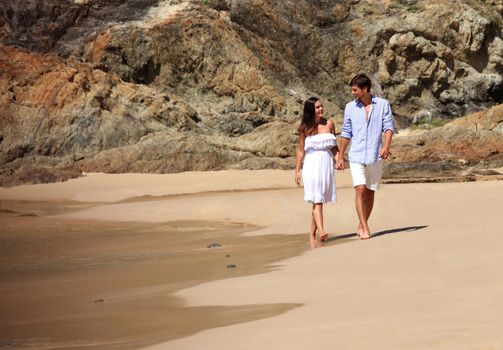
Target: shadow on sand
(377, 234)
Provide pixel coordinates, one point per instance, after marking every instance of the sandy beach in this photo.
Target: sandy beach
(123, 262)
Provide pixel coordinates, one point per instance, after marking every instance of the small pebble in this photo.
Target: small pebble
(99, 301)
(231, 266)
(227, 256)
(214, 245)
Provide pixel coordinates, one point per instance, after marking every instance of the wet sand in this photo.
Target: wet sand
(105, 285)
(119, 269)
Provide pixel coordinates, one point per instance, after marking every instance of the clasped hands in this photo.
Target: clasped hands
(339, 164)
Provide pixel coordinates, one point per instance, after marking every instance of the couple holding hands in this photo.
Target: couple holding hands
(365, 119)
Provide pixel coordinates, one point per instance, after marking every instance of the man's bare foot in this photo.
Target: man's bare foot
(323, 237)
(365, 235)
(361, 232)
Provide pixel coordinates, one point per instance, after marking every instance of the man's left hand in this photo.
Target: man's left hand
(385, 152)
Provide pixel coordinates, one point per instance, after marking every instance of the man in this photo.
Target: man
(365, 119)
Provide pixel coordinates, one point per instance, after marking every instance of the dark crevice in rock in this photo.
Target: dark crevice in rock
(147, 73)
(480, 59)
(495, 92)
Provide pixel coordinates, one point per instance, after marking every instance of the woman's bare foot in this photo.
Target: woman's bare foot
(313, 242)
(323, 237)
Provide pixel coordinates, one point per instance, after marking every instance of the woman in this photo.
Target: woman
(317, 147)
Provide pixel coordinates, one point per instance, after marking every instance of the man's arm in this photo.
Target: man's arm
(339, 165)
(385, 150)
(388, 129)
(346, 135)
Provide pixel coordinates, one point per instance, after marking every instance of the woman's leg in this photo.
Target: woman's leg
(312, 239)
(313, 224)
(318, 219)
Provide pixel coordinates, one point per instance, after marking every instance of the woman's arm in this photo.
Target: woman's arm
(335, 149)
(300, 157)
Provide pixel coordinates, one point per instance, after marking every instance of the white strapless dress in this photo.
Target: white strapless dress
(318, 169)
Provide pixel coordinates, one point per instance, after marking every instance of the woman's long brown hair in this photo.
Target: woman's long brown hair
(307, 122)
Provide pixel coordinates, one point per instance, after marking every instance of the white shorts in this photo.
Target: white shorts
(367, 174)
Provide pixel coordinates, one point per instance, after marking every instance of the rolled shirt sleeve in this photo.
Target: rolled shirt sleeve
(346, 130)
(387, 121)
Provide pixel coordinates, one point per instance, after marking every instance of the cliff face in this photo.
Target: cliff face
(463, 147)
(166, 86)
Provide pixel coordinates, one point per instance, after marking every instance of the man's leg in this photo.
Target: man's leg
(358, 173)
(361, 209)
(369, 202)
(373, 177)
(373, 174)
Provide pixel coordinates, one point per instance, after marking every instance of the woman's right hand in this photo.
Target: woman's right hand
(297, 178)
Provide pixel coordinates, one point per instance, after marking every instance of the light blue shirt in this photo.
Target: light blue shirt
(366, 134)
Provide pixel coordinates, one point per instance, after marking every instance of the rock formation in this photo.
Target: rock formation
(172, 85)
(465, 146)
